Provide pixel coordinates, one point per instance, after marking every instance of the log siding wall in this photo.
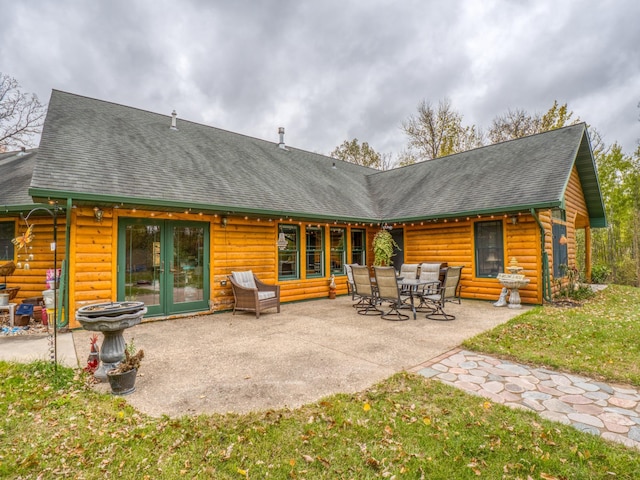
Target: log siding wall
(577, 216)
(453, 242)
(32, 280)
(251, 244)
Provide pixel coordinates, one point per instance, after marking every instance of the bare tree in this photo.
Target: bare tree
(518, 123)
(436, 133)
(21, 115)
(513, 124)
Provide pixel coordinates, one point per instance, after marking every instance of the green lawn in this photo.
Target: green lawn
(404, 427)
(601, 339)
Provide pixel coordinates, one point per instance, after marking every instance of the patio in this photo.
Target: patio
(236, 363)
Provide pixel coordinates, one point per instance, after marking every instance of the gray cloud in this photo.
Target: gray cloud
(331, 71)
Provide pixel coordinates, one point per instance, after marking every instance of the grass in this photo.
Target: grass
(55, 426)
(600, 339)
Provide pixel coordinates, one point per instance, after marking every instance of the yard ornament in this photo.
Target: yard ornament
(21, 241)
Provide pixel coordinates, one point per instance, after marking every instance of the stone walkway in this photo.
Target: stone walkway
(608, 410)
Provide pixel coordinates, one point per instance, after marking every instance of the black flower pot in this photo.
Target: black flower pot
(122, 383)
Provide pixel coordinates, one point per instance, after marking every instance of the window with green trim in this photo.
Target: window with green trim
(560, 251)
(288, 252)
(489, 249)
(358, 246)
(7, 233)
(315, 251)
(338, 239)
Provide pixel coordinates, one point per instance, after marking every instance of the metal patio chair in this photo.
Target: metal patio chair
(367, 305)
(446, 291)
(389, 291)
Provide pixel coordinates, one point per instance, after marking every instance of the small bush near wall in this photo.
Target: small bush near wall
(600, 273)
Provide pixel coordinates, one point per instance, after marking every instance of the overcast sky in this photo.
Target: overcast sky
(330, 70)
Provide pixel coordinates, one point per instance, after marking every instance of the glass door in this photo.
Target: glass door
(187, 275)
(164, 264)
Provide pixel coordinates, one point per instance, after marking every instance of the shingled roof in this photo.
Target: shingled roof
(117, 153)
(16, 169)
(100, 151)
(517, 175)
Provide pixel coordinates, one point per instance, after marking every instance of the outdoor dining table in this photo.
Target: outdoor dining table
(411, 285)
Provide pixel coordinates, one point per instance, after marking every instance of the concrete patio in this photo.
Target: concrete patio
(237, 363)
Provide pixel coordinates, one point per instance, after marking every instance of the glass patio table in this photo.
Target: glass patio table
(411, 285)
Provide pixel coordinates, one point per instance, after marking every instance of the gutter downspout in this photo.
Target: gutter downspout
(546, 278)
(67, 250)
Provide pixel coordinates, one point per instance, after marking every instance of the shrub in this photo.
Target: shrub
(600, 273)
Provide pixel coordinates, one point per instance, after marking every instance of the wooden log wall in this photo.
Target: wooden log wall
(37, 255)
(577, 216)
(241, 245)
(93, 254)
(251, 244)
(453, 242)
(523, 244)
(92, 259)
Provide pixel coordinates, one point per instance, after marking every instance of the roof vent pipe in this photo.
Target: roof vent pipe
(281, 133)
(174, 121)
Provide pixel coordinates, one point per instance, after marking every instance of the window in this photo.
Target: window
(560, 254)
(338, 238)
(288, 252)
(7, 233)
(489, 249)
(315, 252)
(358, 247)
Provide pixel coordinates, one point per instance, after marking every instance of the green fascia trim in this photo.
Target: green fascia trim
(588, 172)
(513, 209)
(22, 208)
(105, 200)
(598, 222)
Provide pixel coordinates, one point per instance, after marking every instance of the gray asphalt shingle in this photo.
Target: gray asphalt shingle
(16, 169)
(100, 148)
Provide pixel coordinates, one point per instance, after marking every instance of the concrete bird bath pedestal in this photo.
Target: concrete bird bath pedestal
(512, 281)
(111, 319)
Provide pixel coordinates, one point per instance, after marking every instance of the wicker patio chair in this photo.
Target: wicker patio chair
(389, 291)
(367, 305)
(447, 290)
(252, 295)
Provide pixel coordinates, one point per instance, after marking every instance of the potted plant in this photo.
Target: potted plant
(383, 246)
(123, 378)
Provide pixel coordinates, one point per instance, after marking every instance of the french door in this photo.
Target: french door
(164, 264)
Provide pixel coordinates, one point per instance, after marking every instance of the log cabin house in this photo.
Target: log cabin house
(160, 209)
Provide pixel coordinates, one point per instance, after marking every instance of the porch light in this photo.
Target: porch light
(563, 239)
(224, 221)
(514, 220)
(98, 214)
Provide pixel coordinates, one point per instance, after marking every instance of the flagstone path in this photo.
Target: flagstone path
(612, 411)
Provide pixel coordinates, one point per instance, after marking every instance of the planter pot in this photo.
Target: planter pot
(122, 383)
